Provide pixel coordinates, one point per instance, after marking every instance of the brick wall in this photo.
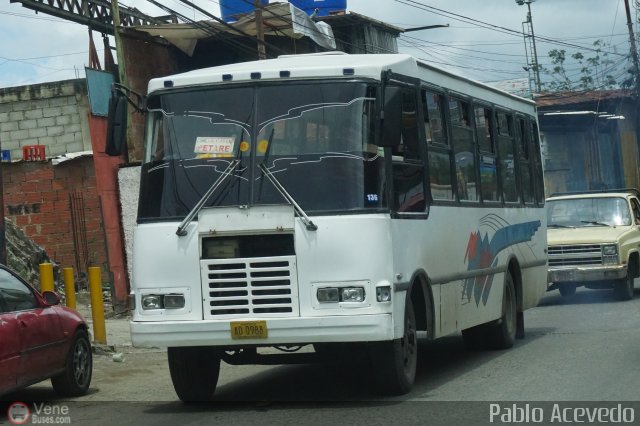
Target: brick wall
(37, 199)
(49, 114)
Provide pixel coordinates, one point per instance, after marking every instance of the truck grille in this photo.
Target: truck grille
(575, 255)
(250, 287)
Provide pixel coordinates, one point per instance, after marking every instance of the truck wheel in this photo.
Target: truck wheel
(502, 334)
(394, 363)
(624, 288)
(194, 372)
(567, 289)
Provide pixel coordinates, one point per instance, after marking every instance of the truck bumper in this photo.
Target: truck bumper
(281, 331)
(586, 273)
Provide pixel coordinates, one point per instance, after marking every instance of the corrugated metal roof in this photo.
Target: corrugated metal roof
(582, 97)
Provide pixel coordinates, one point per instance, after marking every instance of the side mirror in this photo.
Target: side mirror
(51, 298)
(117, 124)
(391, 117)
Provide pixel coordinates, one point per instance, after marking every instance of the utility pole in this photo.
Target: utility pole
(262, 54)
(534, 63)
(634, 50)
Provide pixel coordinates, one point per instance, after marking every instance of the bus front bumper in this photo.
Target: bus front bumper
(280, 331)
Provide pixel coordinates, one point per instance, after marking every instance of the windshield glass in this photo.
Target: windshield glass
(315, 138)
(580, 212)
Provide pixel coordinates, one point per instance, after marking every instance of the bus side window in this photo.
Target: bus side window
(524, 161)
(408, 166)
(464, 149)
(485, 132)
(439, 152)
(507, 157)
(538, 180)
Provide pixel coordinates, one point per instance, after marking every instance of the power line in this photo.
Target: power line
(485, 25)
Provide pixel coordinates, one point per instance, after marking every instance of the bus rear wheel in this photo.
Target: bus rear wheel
(194, 372)
(394, 363)
(500, 334)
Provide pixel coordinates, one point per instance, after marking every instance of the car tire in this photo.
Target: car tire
(567, 289)
(624, 287)
(78, 367)
(194, 372)
(394, 363)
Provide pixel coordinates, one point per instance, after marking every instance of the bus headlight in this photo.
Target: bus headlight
(174, 301)
(340, 294)
(151, 301)
(352, 294)
(162, 301)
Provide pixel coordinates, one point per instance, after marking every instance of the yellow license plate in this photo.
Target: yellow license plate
(249, 330)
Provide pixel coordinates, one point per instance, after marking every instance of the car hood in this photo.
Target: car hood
(586, 235)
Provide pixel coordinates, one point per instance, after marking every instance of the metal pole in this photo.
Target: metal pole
(262, 53)
(536, 68)
(46, 277)
(634, 50)
(97, 305)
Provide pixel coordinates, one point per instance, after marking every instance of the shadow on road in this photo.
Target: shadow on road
(583, 296)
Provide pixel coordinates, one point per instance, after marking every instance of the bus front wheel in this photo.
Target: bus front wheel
(394, 363)
(194, 372)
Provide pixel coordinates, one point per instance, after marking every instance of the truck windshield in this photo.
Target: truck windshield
(580, 212)
(317, 138)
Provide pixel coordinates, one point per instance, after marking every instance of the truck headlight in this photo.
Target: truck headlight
(609, 254)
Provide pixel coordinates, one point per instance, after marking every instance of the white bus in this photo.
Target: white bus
(352, 204)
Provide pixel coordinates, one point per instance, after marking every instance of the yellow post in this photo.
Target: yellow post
(69, 287)
(97, 306)
(46, 277)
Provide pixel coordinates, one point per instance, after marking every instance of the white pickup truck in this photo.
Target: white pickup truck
(594, 241)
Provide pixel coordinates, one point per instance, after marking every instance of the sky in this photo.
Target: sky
(483, 39)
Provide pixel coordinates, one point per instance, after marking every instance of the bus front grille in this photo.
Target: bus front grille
(250, 287)
(575, 255)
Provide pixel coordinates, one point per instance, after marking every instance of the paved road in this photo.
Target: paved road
(583, 348)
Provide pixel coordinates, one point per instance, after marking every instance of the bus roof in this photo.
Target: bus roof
(334, 64)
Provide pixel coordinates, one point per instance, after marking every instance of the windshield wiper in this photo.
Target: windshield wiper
(181, 231)
(305, 219)
(557, 225)
(594, 222)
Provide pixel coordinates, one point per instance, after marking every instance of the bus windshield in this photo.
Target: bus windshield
(316, 138)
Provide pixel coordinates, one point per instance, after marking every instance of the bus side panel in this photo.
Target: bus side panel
(454, 243)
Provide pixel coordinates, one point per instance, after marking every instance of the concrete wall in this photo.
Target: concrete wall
(49, 114)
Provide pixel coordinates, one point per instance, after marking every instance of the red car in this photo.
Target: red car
(40, 340)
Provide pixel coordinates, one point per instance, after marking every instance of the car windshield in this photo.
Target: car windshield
(316, 138)
(582, 212)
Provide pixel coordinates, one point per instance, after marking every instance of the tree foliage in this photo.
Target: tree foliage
(578, 71)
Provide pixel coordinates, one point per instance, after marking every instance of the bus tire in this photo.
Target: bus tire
(502, 334)
(194, 372)
(394, 363)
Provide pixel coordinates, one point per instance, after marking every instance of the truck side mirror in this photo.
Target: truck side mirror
(391, 117)
(116, 124)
